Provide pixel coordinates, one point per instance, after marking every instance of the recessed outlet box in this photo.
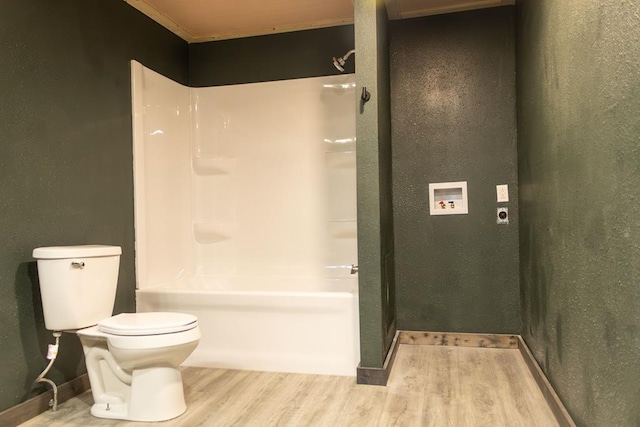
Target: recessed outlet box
(502, 216)
(448, 198)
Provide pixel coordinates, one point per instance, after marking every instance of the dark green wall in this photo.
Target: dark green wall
(579, 162)
(453, 119)
(375, 216)
(66, 158)
(273, 57)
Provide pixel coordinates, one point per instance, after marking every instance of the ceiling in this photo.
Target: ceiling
(207, 20)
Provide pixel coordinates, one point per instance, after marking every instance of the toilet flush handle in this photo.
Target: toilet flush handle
(77, 264)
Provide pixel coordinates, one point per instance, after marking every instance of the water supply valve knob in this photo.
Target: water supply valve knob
(52, 351)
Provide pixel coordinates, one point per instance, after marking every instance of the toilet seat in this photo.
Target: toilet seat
(144, 324)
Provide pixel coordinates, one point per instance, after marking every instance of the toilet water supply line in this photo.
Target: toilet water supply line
(52, 353)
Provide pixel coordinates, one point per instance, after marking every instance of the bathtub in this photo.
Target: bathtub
(303, 325)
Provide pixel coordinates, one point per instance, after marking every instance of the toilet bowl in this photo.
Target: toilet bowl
(132, 359)
(133, 362)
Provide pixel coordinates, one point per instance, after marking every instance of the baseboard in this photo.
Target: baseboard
(554, 402)
(33, 407)
(379, 376)
(459, 339)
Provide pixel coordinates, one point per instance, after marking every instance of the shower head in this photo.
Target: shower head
(339, 62)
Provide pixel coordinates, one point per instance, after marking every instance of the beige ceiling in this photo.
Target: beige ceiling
(206, 20)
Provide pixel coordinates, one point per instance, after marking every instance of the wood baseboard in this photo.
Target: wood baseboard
(459, 339)
(379, 376)
(28, 409)
(554, 402)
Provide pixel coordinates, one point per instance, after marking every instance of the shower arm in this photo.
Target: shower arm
(348, 54)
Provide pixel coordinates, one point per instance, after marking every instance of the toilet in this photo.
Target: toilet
(132, 359)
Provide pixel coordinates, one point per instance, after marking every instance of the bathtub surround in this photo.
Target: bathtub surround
(65, 162)
(245, 201)
(578, 135)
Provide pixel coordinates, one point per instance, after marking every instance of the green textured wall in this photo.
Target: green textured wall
(66, 158)
(579, 159)
(453, 119)
(375, 218)
(284, 56)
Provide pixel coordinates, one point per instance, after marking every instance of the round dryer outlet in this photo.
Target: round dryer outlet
(502, 216)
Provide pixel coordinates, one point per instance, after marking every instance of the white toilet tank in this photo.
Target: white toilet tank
(77, 284)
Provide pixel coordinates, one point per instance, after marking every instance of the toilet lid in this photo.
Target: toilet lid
(138, 324)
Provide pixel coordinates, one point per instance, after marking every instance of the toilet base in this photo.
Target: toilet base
(156, 395)
(116, 411)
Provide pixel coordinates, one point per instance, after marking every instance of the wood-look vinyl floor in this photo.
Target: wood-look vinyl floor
(428, 386)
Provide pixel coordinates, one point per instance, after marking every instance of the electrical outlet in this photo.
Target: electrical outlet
(502, 216)
(502, 192)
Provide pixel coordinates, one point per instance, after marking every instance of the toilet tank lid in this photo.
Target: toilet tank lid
(80, 251)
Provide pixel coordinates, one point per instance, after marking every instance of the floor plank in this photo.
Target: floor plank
(428, 386)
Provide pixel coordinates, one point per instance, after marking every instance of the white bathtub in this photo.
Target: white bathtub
(304, 325)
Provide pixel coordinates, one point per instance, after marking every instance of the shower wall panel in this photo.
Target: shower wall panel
(162, 175)
(274, 178)
(244, 180)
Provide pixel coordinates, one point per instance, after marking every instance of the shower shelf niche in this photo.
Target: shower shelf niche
(211, 232)
(214, 165)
